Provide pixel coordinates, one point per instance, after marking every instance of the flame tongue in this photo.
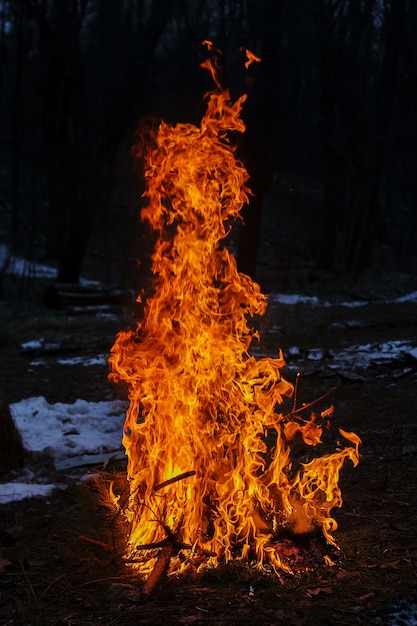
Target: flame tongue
(198, 464)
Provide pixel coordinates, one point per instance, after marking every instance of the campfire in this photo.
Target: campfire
(212, 472)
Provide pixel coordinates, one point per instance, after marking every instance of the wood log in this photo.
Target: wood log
(62, 295)
(160, 568)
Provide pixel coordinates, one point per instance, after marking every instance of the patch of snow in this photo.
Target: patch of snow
(405, 615)
(354, 360)
(294, 351)
(72, 434)
(293, 298)
(350, 305)
(63, 430)
(39, 344)
(347, 324)
(13, 491)
(20, 266)
(363, 356)
(316, 354)
(101, 359)
(351, 359)
(411, 297)
(34, 344)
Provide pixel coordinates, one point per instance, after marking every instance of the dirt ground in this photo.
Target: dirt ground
(60, 558)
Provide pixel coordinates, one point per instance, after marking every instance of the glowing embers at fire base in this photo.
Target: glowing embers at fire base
(209, 455)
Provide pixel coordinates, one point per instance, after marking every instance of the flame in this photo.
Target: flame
(250, 57)
(201, 470)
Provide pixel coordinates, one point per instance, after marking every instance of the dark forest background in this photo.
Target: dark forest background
(331, 141)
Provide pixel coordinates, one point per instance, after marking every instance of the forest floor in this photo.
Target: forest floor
(60, 558)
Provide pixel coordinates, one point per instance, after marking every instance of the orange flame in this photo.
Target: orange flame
(250, 57)
(201, 407)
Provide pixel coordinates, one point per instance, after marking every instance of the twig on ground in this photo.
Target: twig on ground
(101, 544)
(309, 404)
(29, 583)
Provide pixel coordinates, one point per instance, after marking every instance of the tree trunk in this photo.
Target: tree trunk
(16, 130)
(261, 116)
(81, 137)
(369, 226)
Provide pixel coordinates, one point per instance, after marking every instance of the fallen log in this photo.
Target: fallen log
(62, 295)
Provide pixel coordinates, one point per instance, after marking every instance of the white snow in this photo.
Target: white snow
(63, 430)
(21, 267)
(10, 492)
(293, 298)
(83, 430)
(410, 297)
(101, 359)
(364, 356)
(404, 615)
(34, 344)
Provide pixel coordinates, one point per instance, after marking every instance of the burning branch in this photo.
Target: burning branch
(173, 480)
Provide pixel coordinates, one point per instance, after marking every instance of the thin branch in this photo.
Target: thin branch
(28, 582)
(309, 404)
(297, 382)
(94, 541)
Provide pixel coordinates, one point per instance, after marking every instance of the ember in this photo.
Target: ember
(210, 468)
